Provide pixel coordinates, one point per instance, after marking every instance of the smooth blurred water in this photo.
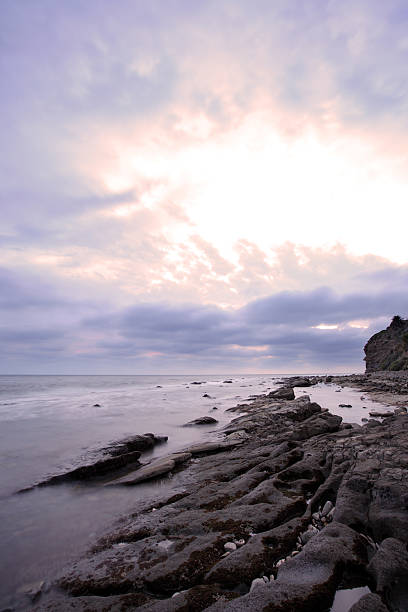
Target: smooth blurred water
(49, 423)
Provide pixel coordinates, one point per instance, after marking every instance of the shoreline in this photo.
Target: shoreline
(255, 511)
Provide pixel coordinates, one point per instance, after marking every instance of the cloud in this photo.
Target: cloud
(324, 306)
(281, 332)
(178, 178)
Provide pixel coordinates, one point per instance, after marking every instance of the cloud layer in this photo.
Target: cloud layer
(43, 329)
(201, 185)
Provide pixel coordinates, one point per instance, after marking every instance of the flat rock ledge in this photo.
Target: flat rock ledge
(294, 508)
(113, 458)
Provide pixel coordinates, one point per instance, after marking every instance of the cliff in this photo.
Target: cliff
(388, 349)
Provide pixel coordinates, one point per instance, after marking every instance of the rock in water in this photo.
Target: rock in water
(114, 457)
(266, 491)
(204, 420)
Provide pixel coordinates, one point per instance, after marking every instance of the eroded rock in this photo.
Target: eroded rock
(283, 393)
(294, 499)
(203, 420)
(147, 472)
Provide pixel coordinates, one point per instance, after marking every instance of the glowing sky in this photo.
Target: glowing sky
(207, 186)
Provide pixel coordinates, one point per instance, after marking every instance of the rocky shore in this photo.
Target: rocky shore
(288, 508)
(390, 388)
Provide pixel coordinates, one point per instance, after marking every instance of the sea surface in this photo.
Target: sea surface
(49, 424)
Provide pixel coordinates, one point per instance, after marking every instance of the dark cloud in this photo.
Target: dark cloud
(277, 333)
(323, 305)
(79, 76)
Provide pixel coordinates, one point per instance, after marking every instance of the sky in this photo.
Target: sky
(201, 187)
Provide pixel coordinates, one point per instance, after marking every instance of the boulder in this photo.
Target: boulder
(286, 393)
(204, 420)
(139, 442)
(300, 382)
(389, 572)
(369, 603)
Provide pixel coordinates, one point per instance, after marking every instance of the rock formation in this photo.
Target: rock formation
(388, 349)
(299, 506)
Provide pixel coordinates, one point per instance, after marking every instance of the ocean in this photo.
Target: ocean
(49, 424)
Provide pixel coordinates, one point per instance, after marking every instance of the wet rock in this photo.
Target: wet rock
(111, 458)
(260, 551)
(258, 582)
(91, 470)
(210, 447)
(113, 603)
(286, 393)
(179, 457)
(227, 381)
(147, 472)
(389, 571)
(369, 603)
(96, 405)
(194, 599)
(319, 424)
(345, 406)
(140, 443)
(239, 435)
(299, 382)
(204, 420)
(33, 590)
(328, 506)
(306, 536)
(264, 491)
(309, 580)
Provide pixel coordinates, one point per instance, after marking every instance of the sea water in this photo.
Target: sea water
(49, 424)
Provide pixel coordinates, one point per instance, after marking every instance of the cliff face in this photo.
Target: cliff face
(388, 350)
